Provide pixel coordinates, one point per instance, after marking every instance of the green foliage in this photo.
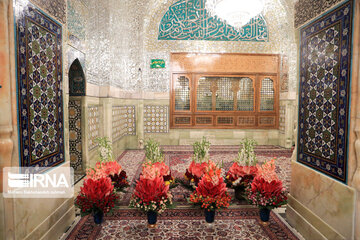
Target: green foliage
(153, 151)
(105, 149)
(246, 154)
(201, 150)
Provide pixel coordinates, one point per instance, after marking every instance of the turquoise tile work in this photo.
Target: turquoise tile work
(189, 20)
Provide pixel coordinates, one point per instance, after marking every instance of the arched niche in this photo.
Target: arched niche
(77, 83)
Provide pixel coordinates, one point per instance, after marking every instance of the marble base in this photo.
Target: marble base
(308, 224)
(319, 202)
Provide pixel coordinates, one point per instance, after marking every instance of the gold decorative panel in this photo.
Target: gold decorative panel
(123, 122)
(93, 125)
(156, 119)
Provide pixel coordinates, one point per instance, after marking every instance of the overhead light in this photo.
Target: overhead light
(236, 13)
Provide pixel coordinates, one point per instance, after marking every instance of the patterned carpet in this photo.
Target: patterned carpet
(182, 224)
(179, 158)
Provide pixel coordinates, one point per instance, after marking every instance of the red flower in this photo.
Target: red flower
(208, 188)
(151, 190)
(268, 189)
(97, 189)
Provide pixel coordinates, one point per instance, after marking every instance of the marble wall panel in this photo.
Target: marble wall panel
(282, 119)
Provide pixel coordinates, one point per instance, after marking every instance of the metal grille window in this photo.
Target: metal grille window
(224, 94)
(204, 95)
(182, 94)
(245, 95)
(267, 95)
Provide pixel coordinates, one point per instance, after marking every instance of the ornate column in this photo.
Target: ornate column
(8, 110)
(354, 150)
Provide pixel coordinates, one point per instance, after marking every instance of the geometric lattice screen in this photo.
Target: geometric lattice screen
(325, 55)
(40, 99)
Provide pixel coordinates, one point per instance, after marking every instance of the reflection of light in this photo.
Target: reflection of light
(20, 6)
(237, 13)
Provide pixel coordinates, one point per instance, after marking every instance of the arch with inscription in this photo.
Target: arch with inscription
(189, 20)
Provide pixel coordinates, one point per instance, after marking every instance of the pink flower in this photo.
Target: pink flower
(267, 171)
(154, 170)
(111, 168)
(162, 168)
(197, 169)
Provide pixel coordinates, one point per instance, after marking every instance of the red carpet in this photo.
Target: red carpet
(183, 224)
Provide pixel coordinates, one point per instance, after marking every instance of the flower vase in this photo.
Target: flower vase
(209, 216)
(98, 217)
(240, 192)
(152, 218)
(264, 215)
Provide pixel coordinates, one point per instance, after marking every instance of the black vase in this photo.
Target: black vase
(240, 192)
(98, 217)
(152, 218)
(264, 214)
(209, 216)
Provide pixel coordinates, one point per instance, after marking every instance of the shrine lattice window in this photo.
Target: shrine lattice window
(210, 99)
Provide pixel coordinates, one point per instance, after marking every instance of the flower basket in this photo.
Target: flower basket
(96, 197)
(266, 191)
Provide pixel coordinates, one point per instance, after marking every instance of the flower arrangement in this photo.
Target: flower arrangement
(151, 195)
(243, 170)
(107, 167)
(111, 170)
(266, 190)
(198, 164)
(96, 195)
(211, 192)
(154, 164)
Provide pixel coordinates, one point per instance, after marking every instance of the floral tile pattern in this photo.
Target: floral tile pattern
(40, 89)
(123, 122)
(75, 134)
(325, 65)
(156, 119)
(94, 126)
